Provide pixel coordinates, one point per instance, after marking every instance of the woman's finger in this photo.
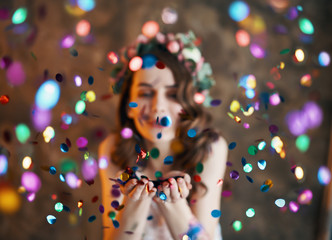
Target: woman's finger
(174, 190)
(129, 186)
(184, 191)
(139, 188)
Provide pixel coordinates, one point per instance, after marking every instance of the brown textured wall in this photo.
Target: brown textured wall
(116, 23)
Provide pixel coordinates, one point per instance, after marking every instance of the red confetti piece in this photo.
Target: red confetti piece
(95, 199)
(160, 65)
(4, 99)
(197, 178)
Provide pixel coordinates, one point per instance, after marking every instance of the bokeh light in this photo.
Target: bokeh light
(324, 59)
(67, 41)
(274, 99)
(293, 206)
(10, 200)
(30, 181)
(126, 133)
(15, 74)
(41, 118)
(135, 63)
(250, 212)
(306, 26)
(27, 162)
(89, 169)
(302, 142)
(150, 29)
(235, 106)
(86, 5)
(78, 81)
(305, 197)
(242, 38)
(280, 202)
(324, 175)
(299, 55)
(237, 225)
(22, 132)
(48, 134)
(47, 95)
(80, 107)
(3, 164)
(83, 28)
(169, 15)
(72, 180)
(306, 80)
(299, 173)
(112, 57)
(19, 16)
(257, 51)
(238, 10)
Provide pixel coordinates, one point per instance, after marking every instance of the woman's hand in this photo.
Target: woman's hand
(174, 189)
(138, 189)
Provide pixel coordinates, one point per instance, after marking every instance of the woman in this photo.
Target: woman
(171, 141)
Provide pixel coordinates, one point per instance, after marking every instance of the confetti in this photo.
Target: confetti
(232, 145)
(237, 225)
(30, 181)
(191, 133)
(166, 121)
(280, 202)
(51, 219)
(4, 99)
(238, 11)
(216, 213)
(48, 95)
(58, 207)
(324, 175)
(168, 160)
(234, 175)
(92, 218)
(250, 212)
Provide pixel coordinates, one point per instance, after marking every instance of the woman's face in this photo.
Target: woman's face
(154, 90)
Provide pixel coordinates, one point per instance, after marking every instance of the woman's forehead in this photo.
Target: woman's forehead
(153, 77)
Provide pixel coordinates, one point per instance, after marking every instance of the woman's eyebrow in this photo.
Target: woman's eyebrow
(144, 85)
(172, 86)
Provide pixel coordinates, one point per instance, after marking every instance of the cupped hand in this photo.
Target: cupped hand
(174, 189)
(138, 189)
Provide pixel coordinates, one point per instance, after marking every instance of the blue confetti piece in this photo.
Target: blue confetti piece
(149, 217)
(232, 145)
(52, 170)
(162, 196)
(133, 104)
(137, 148)
(215, 213)
(116, 224)
(249, 179)
(92, 218)
(165, 121)
(90, 80)
(159, 135)
(149, 61)
(168, 160)
(244, 161)
(64, 147)
(265, 188)
(191, 133)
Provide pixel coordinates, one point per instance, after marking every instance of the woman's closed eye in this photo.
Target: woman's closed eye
(146, 94)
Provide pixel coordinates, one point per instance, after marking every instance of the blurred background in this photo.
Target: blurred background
(271, 64)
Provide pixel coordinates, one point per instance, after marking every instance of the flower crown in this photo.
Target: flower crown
(183, 45)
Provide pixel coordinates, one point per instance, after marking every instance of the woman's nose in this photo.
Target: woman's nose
(158, 105)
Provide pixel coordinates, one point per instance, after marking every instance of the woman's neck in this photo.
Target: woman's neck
(157, 164)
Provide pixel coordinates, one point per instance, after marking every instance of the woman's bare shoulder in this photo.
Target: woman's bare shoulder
(218, 155)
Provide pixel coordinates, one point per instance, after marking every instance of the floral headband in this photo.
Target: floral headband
(183, 45)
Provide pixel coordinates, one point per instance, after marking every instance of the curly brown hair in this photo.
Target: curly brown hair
(193, 150)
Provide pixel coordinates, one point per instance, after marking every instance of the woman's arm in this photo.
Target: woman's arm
(132, 218)
(197, 219)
